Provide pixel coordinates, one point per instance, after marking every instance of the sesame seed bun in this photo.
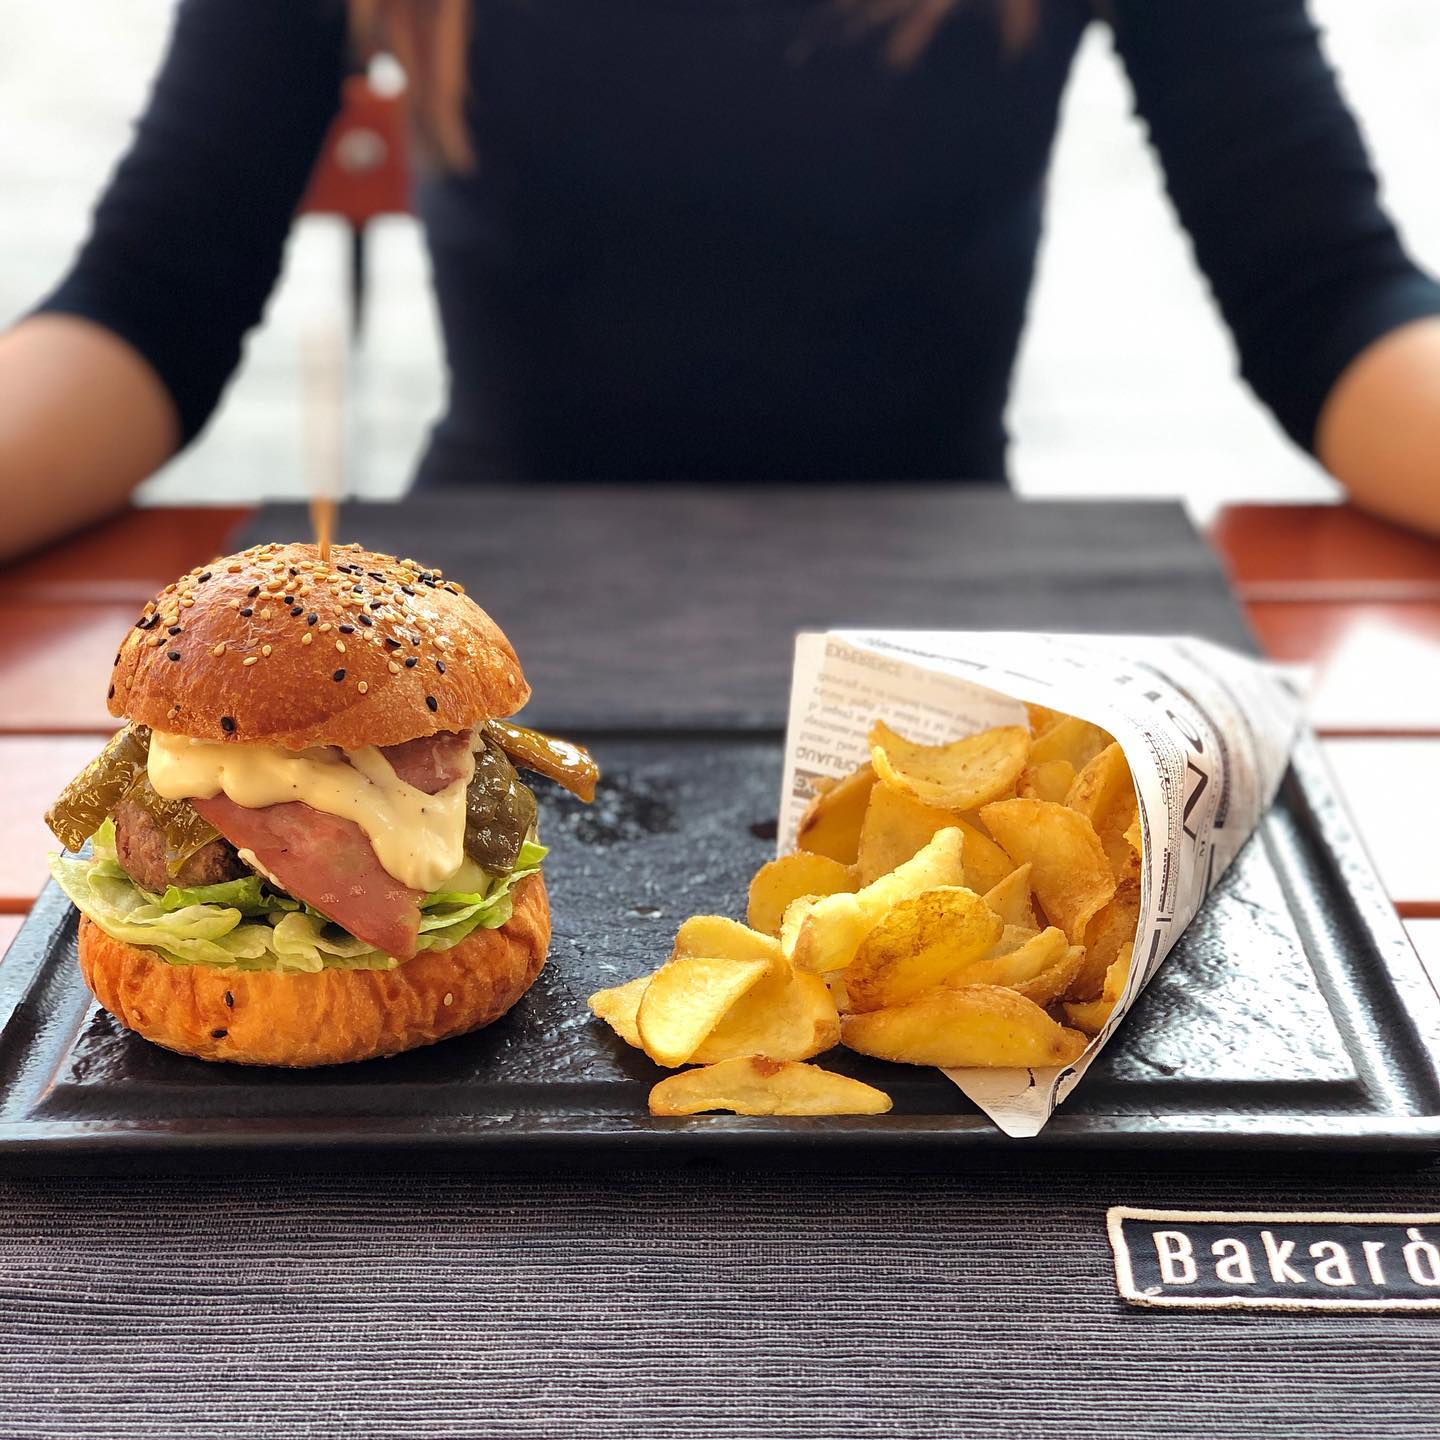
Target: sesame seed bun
(251, 1017)
(274, 647)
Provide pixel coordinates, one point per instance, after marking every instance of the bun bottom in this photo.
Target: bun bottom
(250, 1017)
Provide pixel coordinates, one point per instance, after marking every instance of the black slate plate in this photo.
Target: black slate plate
(1292, 1015)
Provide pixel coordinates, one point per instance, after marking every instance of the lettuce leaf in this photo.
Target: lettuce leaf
(246, 925)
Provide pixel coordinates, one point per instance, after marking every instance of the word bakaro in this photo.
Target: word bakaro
(966, 904)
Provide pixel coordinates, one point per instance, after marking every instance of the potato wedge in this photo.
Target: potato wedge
(1010, 898)
(1112, 927)
(761, 1086)
(686, 999)
(896, 828)
(959, 776)
(1049, 780)
(918, 944)
(831, 824)
(1042, 718)
(1050, 985)
(790, 1016)
(1091, 1015)
(1070, 872)
(804, 873)
(619, 1006)
(1104, 793)
(976, 1025)
(1072, 740)
(830, 929)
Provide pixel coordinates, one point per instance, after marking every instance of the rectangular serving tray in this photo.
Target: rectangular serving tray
(1292, 1015)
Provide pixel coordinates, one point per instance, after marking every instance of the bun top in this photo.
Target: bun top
(273, 646)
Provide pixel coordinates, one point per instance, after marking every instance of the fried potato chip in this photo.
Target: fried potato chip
(1069, 870)
(722, 938)
(1049, 985)
(1104, 793)
(1018, 964)
(1074, 741)
(1042, 718)
(920, 943)
(804, 873)
(1010, 898)
(958, 776)
(1091, 1015)
(1049, 780)
(618, 1007)
(831, 824)
(790, 1016)
(686, 999)
(976, 1025)
(1011, 939)
(828, 930)
(896, 827)
(1109, 931)
(986, 864)
(761, 1086)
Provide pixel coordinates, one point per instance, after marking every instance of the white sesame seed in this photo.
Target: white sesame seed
(306, 638)
(363, 687)
(449, 998)
(251, 660)
(264, 649)
(265, 613)
(219, 649)
(324, 626)
(394, 668)
(340, 646)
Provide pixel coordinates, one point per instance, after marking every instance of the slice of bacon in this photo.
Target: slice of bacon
(327, 862)
(432, 762)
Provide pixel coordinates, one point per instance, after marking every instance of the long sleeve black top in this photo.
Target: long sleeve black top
(719, 239)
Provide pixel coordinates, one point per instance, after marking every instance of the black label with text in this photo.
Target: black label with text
(1300, 1260)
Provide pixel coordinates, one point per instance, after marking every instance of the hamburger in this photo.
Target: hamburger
(310, 843)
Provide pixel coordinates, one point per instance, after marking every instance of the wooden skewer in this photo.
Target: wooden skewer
(324, 430)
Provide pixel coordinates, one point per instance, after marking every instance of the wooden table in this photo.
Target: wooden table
(1357, 600)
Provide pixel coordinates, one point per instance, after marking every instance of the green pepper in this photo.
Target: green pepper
(499, 812)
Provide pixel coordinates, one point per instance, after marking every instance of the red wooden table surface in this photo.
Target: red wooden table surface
(1324, 586)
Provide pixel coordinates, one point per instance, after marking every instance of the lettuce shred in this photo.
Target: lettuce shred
(246, 925)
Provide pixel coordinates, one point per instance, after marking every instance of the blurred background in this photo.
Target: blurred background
(1126, 383)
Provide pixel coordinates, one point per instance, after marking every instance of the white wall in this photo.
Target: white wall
(1126, 378)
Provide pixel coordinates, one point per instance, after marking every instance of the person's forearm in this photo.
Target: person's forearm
(83, 420)
(1379, 433)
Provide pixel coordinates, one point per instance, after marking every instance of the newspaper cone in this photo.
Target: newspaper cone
(1206, 731)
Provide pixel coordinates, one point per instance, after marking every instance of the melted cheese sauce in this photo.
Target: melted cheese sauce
(418, 838)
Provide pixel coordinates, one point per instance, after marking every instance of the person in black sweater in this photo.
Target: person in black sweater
(725, 239)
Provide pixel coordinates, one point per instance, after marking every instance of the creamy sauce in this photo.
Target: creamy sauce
(418, 838)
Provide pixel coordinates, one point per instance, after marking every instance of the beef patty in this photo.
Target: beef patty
(140, 847)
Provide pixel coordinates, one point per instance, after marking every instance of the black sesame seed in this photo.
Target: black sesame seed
(117, 657)
(203, 578)
(311, 618)
(252, 592)
(407, 590)
(365, 620)
(440, 666)
(375, 575)
(172, 655)
(346, 629)
(293, 570)
(296, 610)
(409, 662)
(289, 599)
(110, 693)
(431, 702)
(227, 724)
(173, 630)
(357, 589)
(218, 1034)
(247, 612)
(376, 604)
(338, 675)
(414, 639)
(392, 642)
(229, 1000)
